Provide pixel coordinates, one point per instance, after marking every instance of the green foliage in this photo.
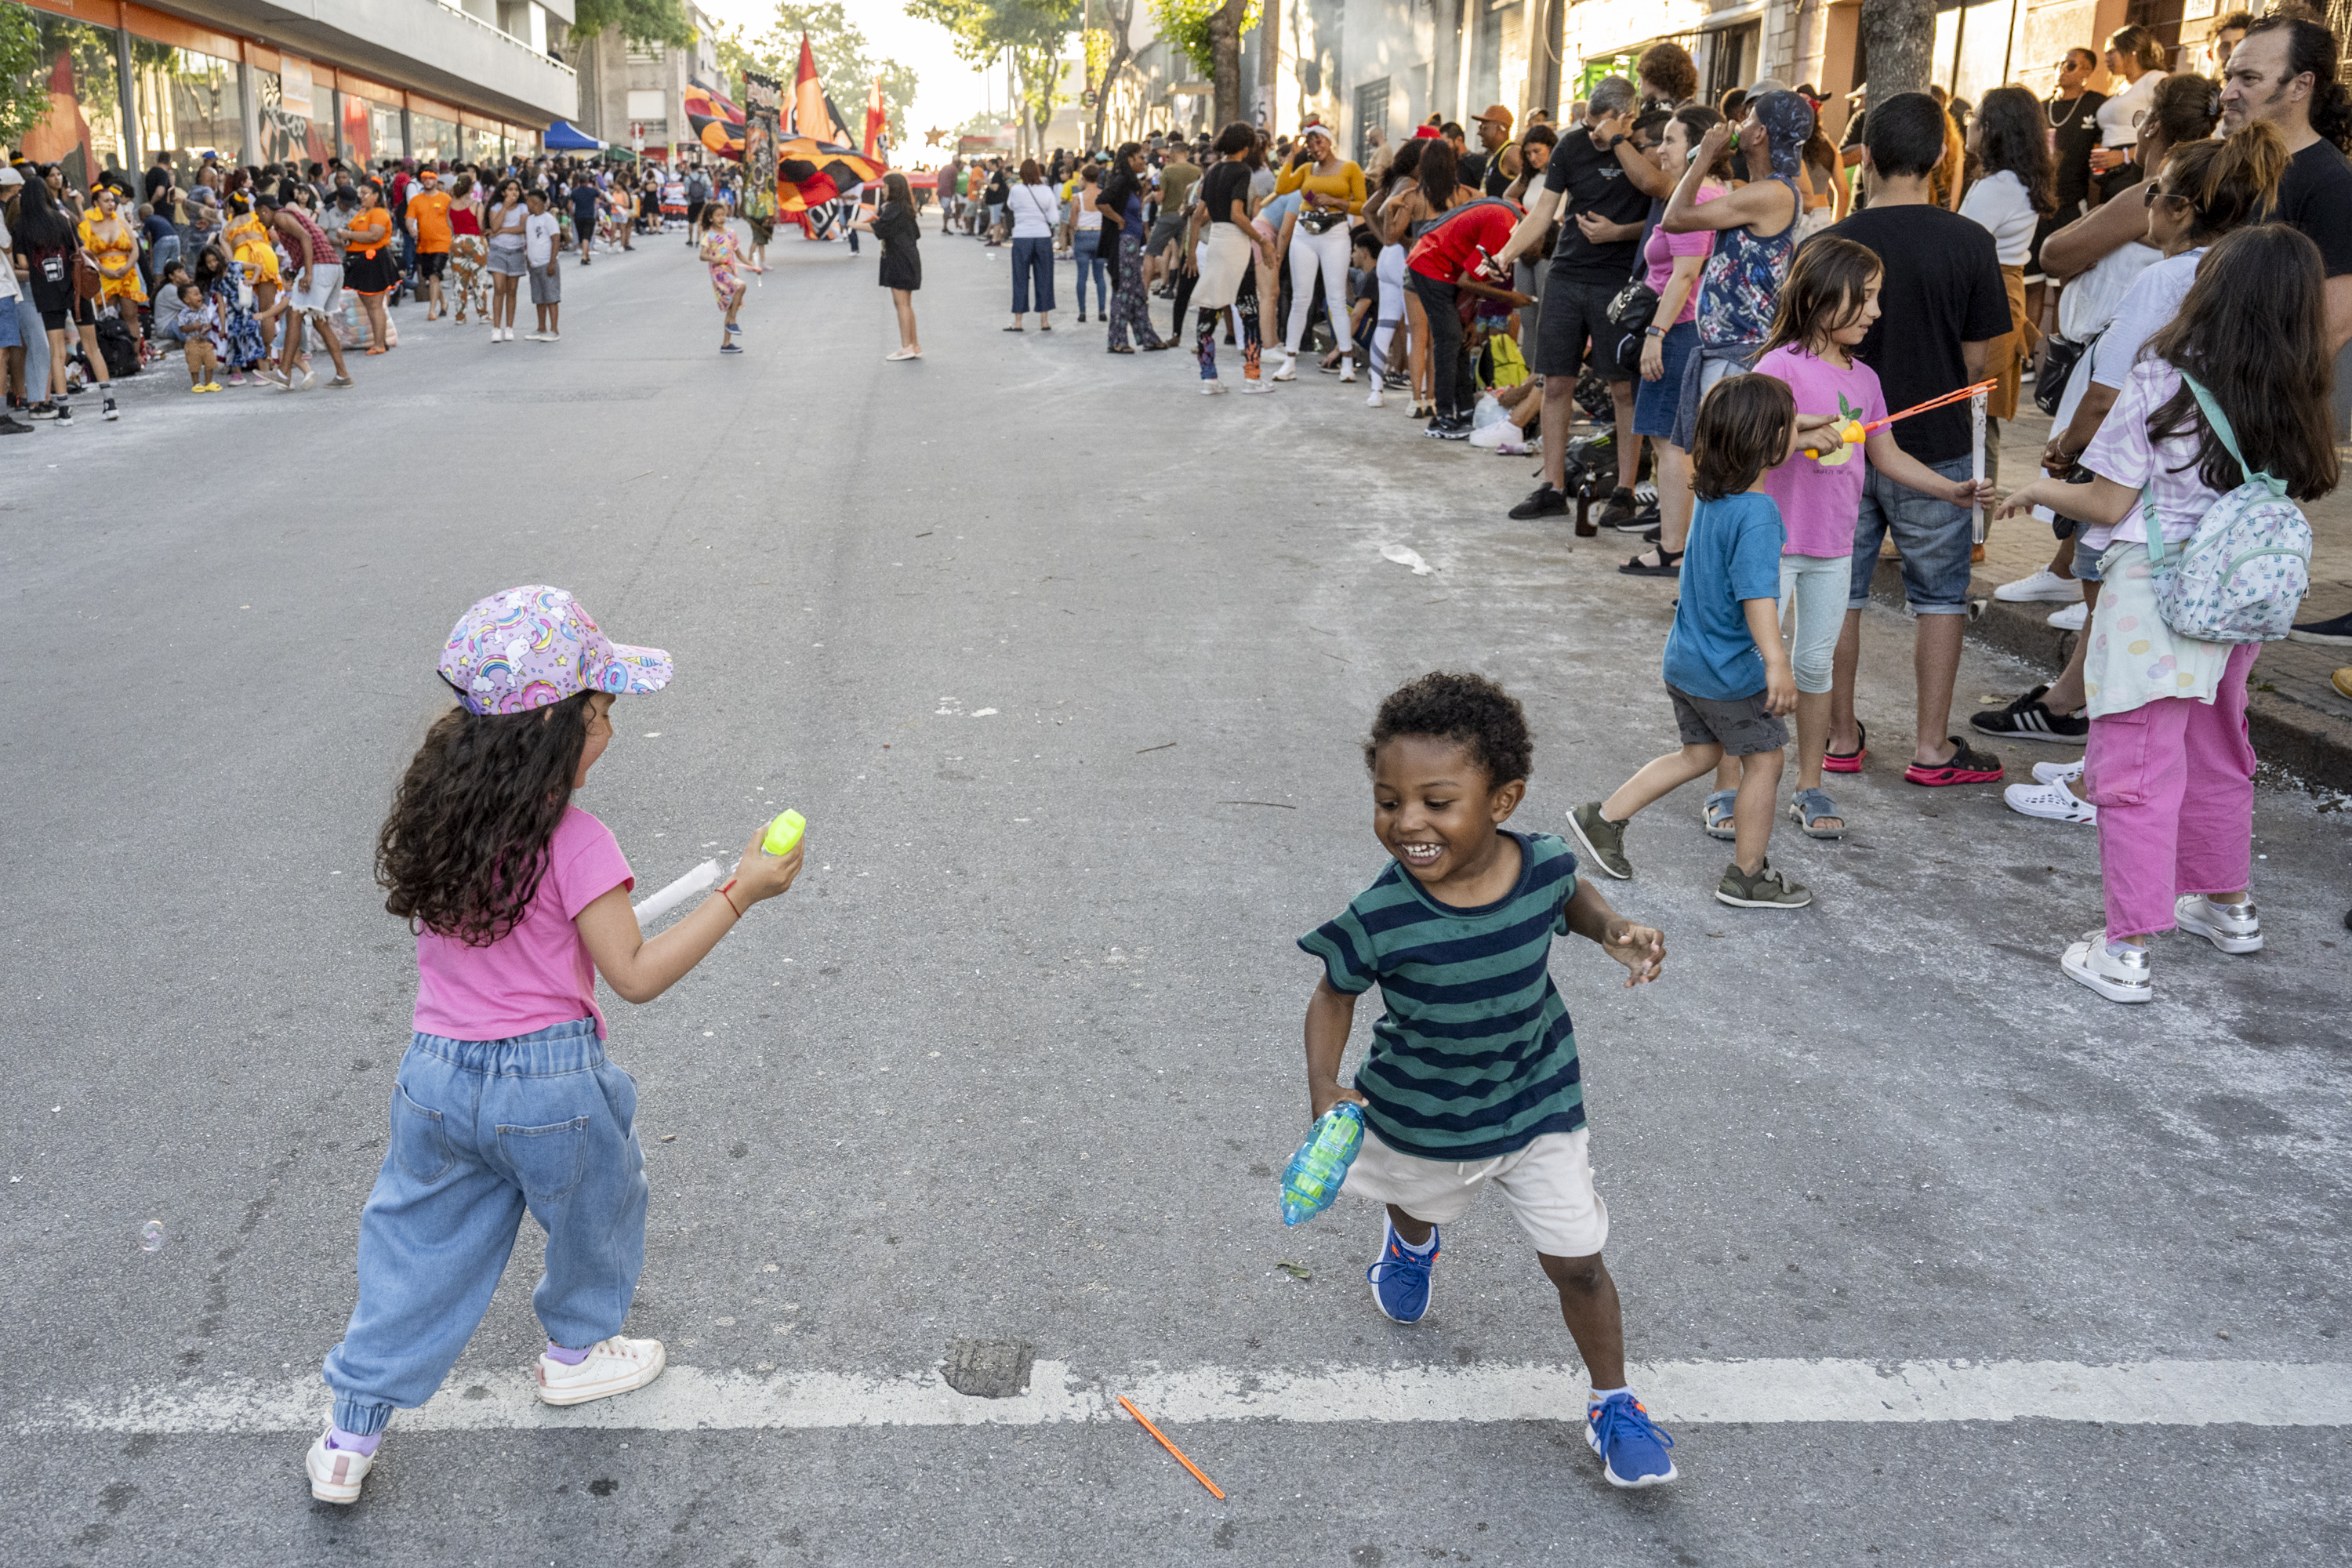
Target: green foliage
(843, 62)
(638, 21)
(983, 29)
(1185, 24)
(24, 75)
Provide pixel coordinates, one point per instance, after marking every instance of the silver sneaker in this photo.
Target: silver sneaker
(2232, 928)
(2126, 976)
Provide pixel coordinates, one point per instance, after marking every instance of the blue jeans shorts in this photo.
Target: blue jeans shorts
(1932, 535)
(484, 1132)
(1654, 401)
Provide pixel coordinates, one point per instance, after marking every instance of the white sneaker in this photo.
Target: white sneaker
(2058, 773)
(2118, 978)
(1374, 400)
(336, 1473)
(1346, 371)
(2051, 802)
(2071, 618)
(1287, 370)
(2044, 586)
(613, 1366)
(1212, 387)
(1259, 385)
(2232, 928)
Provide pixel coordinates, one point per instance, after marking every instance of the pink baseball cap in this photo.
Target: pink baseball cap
(533, 646)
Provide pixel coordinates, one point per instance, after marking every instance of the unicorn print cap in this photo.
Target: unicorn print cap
(533, 646)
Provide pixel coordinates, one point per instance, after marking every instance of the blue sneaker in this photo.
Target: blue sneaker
(1400, 1278)
(730, 347)
(1632, 1446)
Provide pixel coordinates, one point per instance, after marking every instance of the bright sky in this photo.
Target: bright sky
(949, 92)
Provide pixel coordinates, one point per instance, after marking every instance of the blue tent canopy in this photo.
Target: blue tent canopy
(565, 136)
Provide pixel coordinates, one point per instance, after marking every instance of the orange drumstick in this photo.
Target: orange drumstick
(1965, 392)
(1172, 1448)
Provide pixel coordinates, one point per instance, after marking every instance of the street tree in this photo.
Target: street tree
(1897, 38)
(844, 59)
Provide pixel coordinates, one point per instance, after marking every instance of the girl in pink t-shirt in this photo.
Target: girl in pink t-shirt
(1827, 304)
(504, 1102)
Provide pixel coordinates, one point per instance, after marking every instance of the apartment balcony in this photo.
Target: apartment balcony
(442, 49)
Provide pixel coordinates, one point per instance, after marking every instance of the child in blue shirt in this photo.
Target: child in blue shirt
(1726, 670)
(1473, 1077)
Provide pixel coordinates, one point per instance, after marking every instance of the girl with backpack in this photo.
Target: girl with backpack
(2203, 560)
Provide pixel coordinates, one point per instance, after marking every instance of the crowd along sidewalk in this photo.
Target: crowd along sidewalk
(2298, 719)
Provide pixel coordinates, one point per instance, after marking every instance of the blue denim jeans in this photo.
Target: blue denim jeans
(1085, 247)
(37, 349)
(1932, 536)
(1033, 265)
(482, 1131)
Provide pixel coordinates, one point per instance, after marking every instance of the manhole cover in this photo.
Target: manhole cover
(988, 1369)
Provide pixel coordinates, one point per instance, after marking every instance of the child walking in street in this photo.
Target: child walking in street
(1472, 1078)
(504, 1102)
(540, 231)
(1827, 307)
(1725, 668)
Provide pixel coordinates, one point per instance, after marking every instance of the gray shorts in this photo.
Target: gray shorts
(546, 285)
(505, 259)
(1740, 726)
(1166, 230)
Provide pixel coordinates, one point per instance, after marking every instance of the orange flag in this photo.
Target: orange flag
(877, 119)
(809, 115)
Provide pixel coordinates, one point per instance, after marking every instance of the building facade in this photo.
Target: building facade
(1359, 64)
(632, 93)
(357, 80)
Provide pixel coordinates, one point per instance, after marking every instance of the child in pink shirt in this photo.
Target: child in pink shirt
(1827, 304)
(505, 1102)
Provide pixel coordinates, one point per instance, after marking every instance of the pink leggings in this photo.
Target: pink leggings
(2174, 783)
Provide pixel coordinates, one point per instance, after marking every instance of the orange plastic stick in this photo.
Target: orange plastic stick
(1966, 392)
(1172, 1448)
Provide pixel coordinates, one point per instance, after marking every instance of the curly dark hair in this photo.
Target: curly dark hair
(463, 851)
(1467, 708)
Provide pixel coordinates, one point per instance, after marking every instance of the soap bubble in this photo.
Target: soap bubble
(150, 1236)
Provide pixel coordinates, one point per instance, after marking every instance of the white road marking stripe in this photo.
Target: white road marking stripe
(2162, 1393)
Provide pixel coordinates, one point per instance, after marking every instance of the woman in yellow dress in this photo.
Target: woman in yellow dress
(112, 244)
(249, 243)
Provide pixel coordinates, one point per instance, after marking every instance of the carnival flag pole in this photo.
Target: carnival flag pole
(1977, 464)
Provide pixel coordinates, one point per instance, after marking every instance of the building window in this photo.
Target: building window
(1371, 110)
(188, 105)
(84, 129)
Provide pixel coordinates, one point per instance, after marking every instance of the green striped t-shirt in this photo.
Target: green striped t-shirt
(1475, 1056)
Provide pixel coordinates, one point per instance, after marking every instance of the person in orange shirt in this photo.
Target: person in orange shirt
(428, 225)
(370, 266)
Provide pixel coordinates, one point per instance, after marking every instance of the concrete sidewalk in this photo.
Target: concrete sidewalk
(2299, 721)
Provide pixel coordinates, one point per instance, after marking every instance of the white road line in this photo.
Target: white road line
(2160, 1392)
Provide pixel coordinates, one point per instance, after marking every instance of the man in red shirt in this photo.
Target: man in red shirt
(1456, 257)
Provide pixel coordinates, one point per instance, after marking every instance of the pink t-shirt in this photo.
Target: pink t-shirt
(538, 974)
(1661, 249)
(1820, 497)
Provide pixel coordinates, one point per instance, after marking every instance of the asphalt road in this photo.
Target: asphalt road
(1069, 668)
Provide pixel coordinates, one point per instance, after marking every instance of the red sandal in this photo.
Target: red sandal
(1850, 762)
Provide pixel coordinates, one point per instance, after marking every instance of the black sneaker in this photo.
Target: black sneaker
(2338, 631)
(10, 427)
(1640, 522)
(106, 409)
(2030, 718)
(1454, 428)
(1618, 510)
(45, 409)
(65, 414)
(1545, 502)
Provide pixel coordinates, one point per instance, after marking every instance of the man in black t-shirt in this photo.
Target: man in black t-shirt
(1941, 302)
(2285, 72)
(1589, 263)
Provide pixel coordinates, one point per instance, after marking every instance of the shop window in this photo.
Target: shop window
(84, 129)
(431, 137)
(188, 105)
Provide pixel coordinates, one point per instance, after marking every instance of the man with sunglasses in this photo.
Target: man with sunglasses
(2072, 112)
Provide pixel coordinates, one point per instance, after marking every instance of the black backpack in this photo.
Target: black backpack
(120, 349)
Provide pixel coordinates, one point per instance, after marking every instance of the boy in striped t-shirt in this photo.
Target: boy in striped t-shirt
(1472, 1078)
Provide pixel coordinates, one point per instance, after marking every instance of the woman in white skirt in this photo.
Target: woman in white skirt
(1226, 249)
(1334, 192)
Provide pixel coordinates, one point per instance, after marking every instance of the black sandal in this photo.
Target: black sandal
(1670, 564)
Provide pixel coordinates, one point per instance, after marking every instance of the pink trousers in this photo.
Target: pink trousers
(2174, 783)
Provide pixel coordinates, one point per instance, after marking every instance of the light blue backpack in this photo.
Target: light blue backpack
(2241, 576)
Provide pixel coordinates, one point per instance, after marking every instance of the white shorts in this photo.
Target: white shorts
(326, 282)
(1549, 1185)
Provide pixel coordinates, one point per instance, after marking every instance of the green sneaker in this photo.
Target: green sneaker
(1768, 890)
(1604, 840)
